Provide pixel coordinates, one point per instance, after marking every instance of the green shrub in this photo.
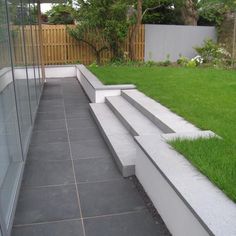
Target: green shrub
(183, 61)
(191, 64)
(213, 53)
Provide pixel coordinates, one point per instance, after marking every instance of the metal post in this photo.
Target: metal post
(41, 41)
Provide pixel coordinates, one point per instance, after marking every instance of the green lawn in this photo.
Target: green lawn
(207, 98)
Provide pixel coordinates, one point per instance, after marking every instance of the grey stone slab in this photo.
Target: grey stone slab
(132, 119)
(96, 169)
(118, 139)
(75, 123)
(50, 116)
(159, 114)
(41, 125)
(109, 197)
(133, 224)
(89, 148)
(46, 204)
(39, 137)
(42, 173)
(107, 120)
(84, 134)
(62, 228)
(49, 152)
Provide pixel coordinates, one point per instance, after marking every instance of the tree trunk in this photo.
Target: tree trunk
(189, 13)
(135, 31)
(98, 58)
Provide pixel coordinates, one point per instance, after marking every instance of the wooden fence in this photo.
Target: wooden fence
(60, 48)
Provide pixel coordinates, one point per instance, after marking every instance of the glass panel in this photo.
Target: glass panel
(10, 144)
(20, 71)
(33, 16)
(29, 51)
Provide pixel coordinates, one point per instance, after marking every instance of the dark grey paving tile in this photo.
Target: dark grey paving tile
(49, 125)
(62, 228)
(133, 224)
(109, 197)
(75, 123)
(75, 103)
(83, 113)
(89, 148)
(44, 137)
(46, 204)
(49, 152)
(50, 116)
(73, 92)
(50, 96)
(96, 169)
(82, 133)
(42, 173)
(51, 103)
(50, 108)
(75, 100)
(77, 107)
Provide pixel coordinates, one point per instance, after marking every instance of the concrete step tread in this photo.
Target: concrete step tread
(118, 139)
(133, 119)
(164, 118)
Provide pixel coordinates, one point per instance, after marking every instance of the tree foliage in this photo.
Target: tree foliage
(60, 14)
(108, 19)
(212, 12)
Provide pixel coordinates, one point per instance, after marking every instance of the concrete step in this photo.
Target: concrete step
(117, 137)
(132, 119)
(161, 116)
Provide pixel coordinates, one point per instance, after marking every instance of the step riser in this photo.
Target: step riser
(121, 118)
(162, 126)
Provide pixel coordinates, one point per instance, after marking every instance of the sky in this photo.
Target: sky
(45, 7)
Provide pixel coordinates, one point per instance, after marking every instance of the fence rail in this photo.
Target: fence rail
(60, 48)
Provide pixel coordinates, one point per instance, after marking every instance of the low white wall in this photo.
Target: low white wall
(173, 40)
(176, 215)
(88, 88)
(95, 90)
(62, 71)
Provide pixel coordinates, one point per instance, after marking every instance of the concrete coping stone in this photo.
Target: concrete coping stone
(157, 112)
(97, 84)
(213, 209)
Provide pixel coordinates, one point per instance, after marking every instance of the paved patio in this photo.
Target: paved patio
(71, 185)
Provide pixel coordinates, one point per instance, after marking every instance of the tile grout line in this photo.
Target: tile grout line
(73, 167)
(70, 184)
(85, 218)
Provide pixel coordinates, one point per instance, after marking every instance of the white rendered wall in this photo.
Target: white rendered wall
(173, 40)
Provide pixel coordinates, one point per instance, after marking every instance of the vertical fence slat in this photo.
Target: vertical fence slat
(60, 48)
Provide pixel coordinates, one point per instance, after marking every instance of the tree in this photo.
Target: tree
(108, 19)
(213, 12)
(161, 12)
(60, 14)
(94, 38)
(189, 12)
